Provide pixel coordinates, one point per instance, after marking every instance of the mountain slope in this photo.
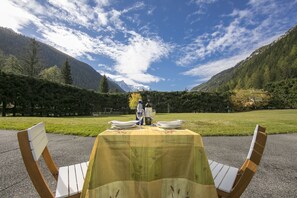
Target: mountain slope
(83, 75)
(130, 88)
(274, 62)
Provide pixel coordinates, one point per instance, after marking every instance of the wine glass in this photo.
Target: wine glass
(139, 116)
(153, 114)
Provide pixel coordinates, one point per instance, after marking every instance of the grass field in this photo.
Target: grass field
(207, 124)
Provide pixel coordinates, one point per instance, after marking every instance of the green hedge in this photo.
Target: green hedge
(284, 93)
(21, 95)
(187, 102)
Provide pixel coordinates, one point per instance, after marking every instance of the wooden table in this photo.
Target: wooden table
(149, 162)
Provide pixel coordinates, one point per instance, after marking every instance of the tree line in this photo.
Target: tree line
(30, 65)
(271, 63)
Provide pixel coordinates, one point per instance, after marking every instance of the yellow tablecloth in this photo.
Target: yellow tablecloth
(148, 163)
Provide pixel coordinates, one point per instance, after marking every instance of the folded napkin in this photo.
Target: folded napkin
(122, 124)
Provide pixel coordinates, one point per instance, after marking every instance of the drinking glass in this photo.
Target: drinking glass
(153, 114)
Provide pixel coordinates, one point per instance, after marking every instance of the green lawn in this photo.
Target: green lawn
(276, 121)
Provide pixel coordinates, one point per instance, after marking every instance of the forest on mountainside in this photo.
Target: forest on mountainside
(271, 63)
(15, 46)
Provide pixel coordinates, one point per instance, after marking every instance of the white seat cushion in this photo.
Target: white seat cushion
(71, 179)
(224, 176)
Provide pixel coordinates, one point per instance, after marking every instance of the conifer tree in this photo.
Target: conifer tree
(66, 73)
(103, 88)
(2, 60)
(31, 65)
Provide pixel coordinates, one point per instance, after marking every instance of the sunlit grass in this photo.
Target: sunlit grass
(276, 121)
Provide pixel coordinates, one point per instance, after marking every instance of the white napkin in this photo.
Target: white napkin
(122, 124)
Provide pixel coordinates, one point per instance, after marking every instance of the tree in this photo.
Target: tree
(11, 65)
(52, 74)
(2, 60)
(245, 99)
(103, 88)
(133, 100)
(66, 73)
(31, 65)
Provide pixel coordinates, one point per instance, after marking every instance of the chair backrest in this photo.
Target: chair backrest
(33, 143)
(249, 167)
(257, 145)
(37, 139)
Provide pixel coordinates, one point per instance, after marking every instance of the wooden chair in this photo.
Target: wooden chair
(33, 143)
(230, 181)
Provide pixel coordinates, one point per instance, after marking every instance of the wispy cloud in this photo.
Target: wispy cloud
(244, 32)
(151, 10)
(198, 2)
(206, 71)
(14, 17)
(70, 41)
(201, 9)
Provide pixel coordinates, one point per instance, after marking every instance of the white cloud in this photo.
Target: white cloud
(102, 2)
(32, 6)
(201, 9)
(104, 67)
(241, 14)
(136, 6)
(102, 18)
(206, 71)
(14, 17)
(198, 2)
(135, 58)
(151, 10)
(132, 59)
(76, 12)
(232, 37)
(72, 42)
(128, 81)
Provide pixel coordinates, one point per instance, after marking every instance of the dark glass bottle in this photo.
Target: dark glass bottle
(148, 112)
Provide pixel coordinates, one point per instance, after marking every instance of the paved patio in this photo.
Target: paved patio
(276, 176)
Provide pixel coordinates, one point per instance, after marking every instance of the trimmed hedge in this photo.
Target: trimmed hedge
(188, 102)
(284, 94)
(25, 96)
(21, 95)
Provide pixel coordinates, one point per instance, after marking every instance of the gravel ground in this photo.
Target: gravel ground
(276, 176)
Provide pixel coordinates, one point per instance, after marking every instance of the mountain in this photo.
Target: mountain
(129, 88)
(83, 75)
(271, 63)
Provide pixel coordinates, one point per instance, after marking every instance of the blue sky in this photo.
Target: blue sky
(164, 45)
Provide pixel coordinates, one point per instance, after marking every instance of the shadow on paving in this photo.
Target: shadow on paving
(276, 175)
